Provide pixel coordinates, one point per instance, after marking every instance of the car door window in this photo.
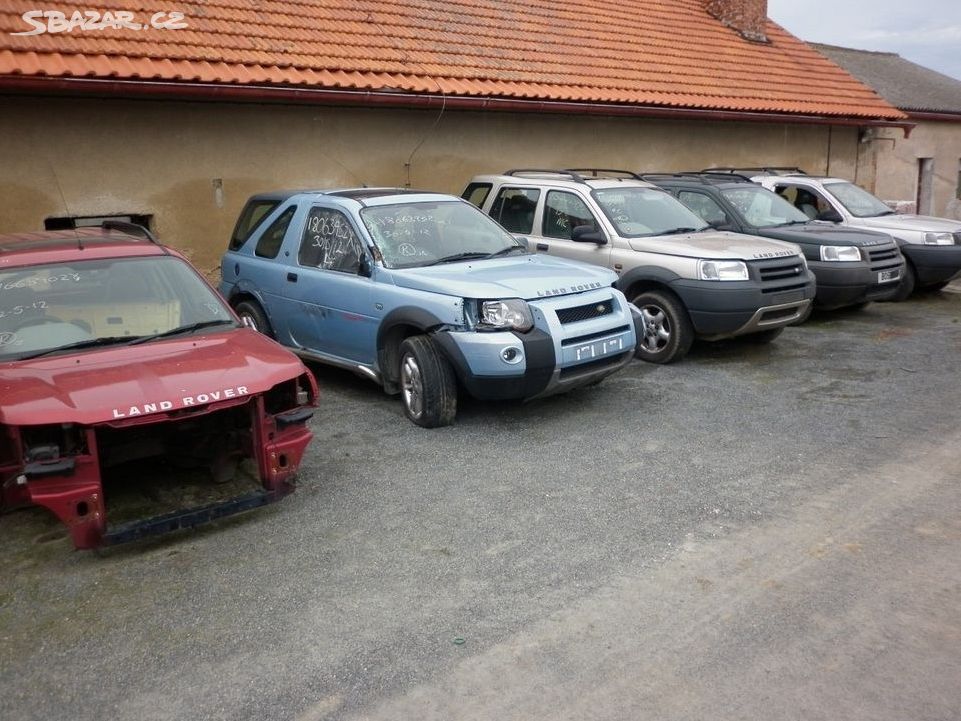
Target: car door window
(807, 200)
(329, 242)
(563, 212)
(705, 206)
(514, 209)
(269, 244)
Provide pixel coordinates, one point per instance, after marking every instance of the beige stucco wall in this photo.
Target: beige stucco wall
(888, 164)
(192, 165)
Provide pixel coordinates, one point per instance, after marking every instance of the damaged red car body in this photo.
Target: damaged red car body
(114, 350)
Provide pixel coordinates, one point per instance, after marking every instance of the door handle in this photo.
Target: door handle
(542, 246)
(292, 277)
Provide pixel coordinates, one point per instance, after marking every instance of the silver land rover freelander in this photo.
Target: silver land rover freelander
(688, 280)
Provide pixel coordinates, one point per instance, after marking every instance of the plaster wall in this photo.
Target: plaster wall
(191, 165)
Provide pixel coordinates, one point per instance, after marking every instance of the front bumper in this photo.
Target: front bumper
(934, 263)
(553, 357)
(845, 283)
(726, 309)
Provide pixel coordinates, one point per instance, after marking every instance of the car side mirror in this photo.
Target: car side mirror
(587, 234)
(830, 215)
(523, 241)
(364, 267)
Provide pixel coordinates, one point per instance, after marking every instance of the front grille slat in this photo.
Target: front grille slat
(585, 312)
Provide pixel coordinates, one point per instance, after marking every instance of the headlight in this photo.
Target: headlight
(512, 313)
(840, 252)
(721, 270)
(938, 239)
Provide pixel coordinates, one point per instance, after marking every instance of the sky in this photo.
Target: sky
(927, 32)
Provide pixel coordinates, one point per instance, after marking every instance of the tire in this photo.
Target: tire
(764, 336)
(907, 284)
(667, 333)
(251, 309)
(428, 388)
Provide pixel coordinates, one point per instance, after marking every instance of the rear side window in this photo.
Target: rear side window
(250, 218)
(514, 209)
(269, 244)
(563, 212)
(476, 193)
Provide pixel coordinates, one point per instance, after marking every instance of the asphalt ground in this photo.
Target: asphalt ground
(758, 532)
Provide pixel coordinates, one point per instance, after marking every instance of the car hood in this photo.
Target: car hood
(920, 223)
(107, 384)
(528, 277)
(827, 234)
(715, 244)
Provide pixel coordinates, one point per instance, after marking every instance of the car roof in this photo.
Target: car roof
(564, 179)
(51, 246)
(362, 195)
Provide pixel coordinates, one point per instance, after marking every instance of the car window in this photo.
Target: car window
(269, 244)
(638, 211)
(250, 218)
(329, 242)
(423, 233)
(807, 200)
(514, 209)
(51, 306)
(476, 193)
(859, 202)
(762, 208)
(705, 206)
(563, 212)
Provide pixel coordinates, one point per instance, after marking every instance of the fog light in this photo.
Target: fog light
(512, 355)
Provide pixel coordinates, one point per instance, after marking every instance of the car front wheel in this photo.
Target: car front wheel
(428, 387)
(666, 333)
(253, 315)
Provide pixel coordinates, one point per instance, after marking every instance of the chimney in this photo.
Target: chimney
(748, 17)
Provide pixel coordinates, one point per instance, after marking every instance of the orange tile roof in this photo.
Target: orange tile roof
(668, 53)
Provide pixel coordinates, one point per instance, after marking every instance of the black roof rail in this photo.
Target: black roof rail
(700, 175)
(595, 172)
(545, 171)
(769, 169)
(131, 228)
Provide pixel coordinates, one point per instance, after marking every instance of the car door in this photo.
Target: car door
(562, 212)
(332, 295)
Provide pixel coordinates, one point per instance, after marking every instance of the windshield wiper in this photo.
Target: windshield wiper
(80, 345)
(679, 231)
(505, 251)
(790, 222)
(886, 212)
(471, 255)
(181, 329)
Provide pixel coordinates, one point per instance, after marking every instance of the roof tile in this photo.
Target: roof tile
(657, 52)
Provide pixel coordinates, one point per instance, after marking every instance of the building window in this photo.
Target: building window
(95, 221)
(925, 204)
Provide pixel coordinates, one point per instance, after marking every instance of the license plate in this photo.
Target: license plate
(887, 276)
(598, 349)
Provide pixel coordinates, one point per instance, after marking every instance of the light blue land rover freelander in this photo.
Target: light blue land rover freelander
(421, 292)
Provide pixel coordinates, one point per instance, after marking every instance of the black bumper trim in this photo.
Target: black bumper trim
(187, 518)
(541, 362)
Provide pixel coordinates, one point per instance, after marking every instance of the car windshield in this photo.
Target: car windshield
(637, 212)
(46, 309)
(762, 208)
(859, 202)
(428, 233)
